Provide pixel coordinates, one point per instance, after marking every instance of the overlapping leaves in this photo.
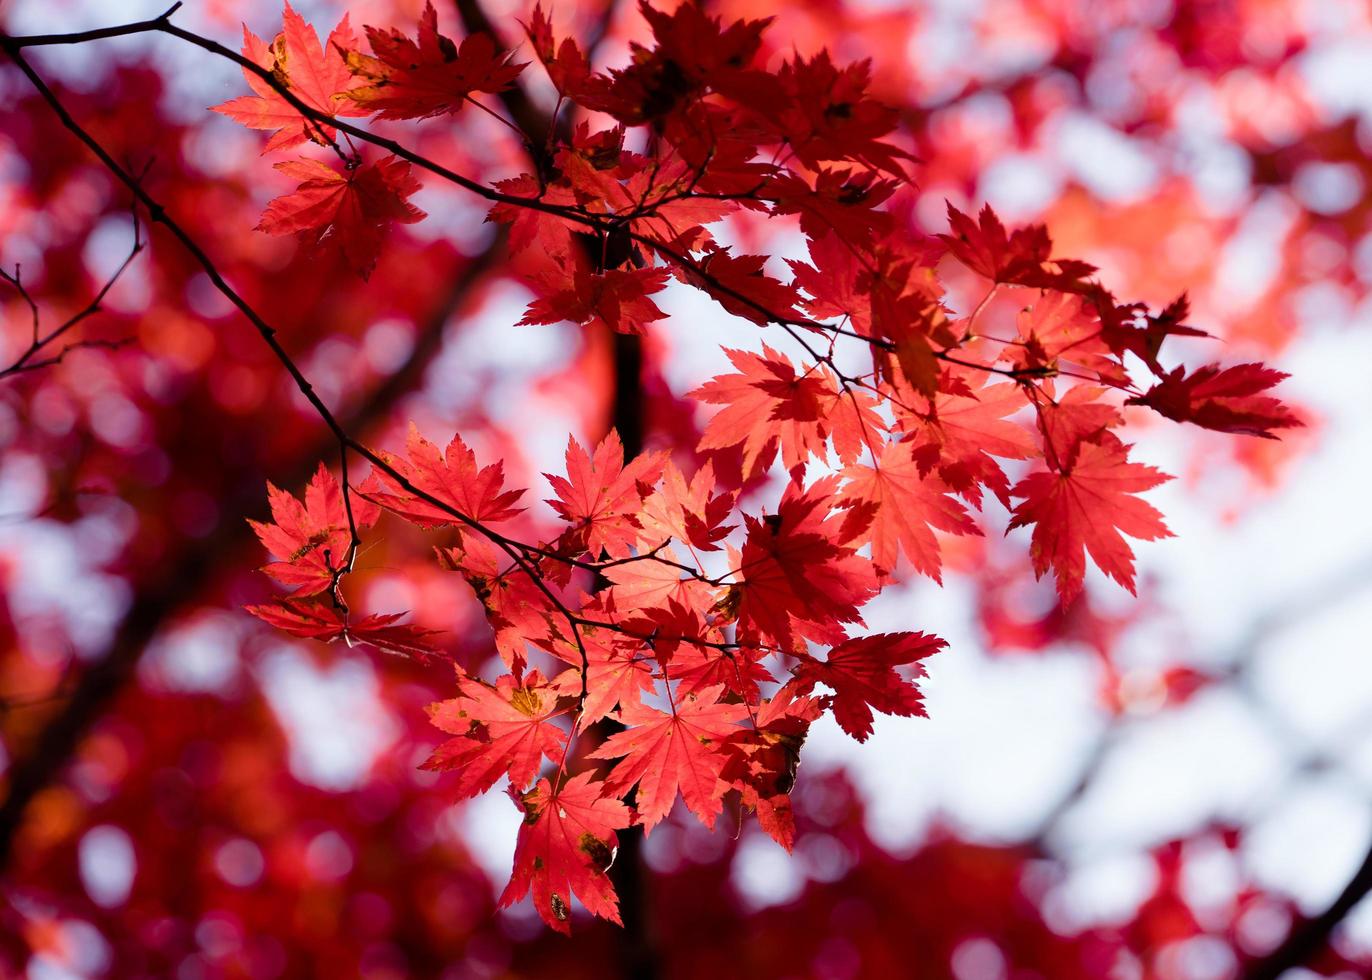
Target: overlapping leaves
(716, 621)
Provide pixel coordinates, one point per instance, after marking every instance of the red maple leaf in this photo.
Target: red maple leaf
(498, 730)
(315, 74)
(428, 76)
(826, 114)
(574, 291)
(325, 622)
(619, 671)
(862, 673)
(694, 52)
(765, 759)
(841, 202)
(351, 210)
(908, 508)
(452, 477)
(1088, 508)
(600, 496)
(516, 608)
(1122, 331)
(692, 512)
(1063, 327)
(913, 321)
(566, 844)
(832, 279)
(962, 429)
(311, 539)
(741, 286)
(1022, 256)
(1077, 417)
(665, 752)
(800, 573)
(769, 404)
(697, 667)
(654, 582)
(1228, 400)
(567, 66)
(548, 234)
(656, 607)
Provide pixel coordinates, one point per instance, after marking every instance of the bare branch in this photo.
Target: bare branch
(28, 359)
(524, 114)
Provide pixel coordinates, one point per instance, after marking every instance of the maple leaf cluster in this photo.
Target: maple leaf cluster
(713, 630)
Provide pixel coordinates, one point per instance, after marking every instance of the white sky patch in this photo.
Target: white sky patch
(1339, 73)
(202, 655)
(53, 575)
(1020, 185)
(490, 825)
(83, 952)
(1169, 775)
(333, 717)
(763, 874)
(1251, 259)
(107, 865)
(1308, 845)
(1110, 164)
(491, 361)
(1103, 891)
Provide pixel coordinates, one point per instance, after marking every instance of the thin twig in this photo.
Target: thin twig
(40, 342)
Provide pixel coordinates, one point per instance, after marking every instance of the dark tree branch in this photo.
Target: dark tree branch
(85, 705)
(597, 223)
(629, 874)
(1312, 935)
(186, 576)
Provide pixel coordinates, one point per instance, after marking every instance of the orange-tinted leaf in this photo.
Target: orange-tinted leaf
(316, 74)
(908, 509)
(451, 476)
(566, 845)
(691, 513)
(666, 752)
(769, 404)
(498, 731)
(961, 431)
(1063, 327)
